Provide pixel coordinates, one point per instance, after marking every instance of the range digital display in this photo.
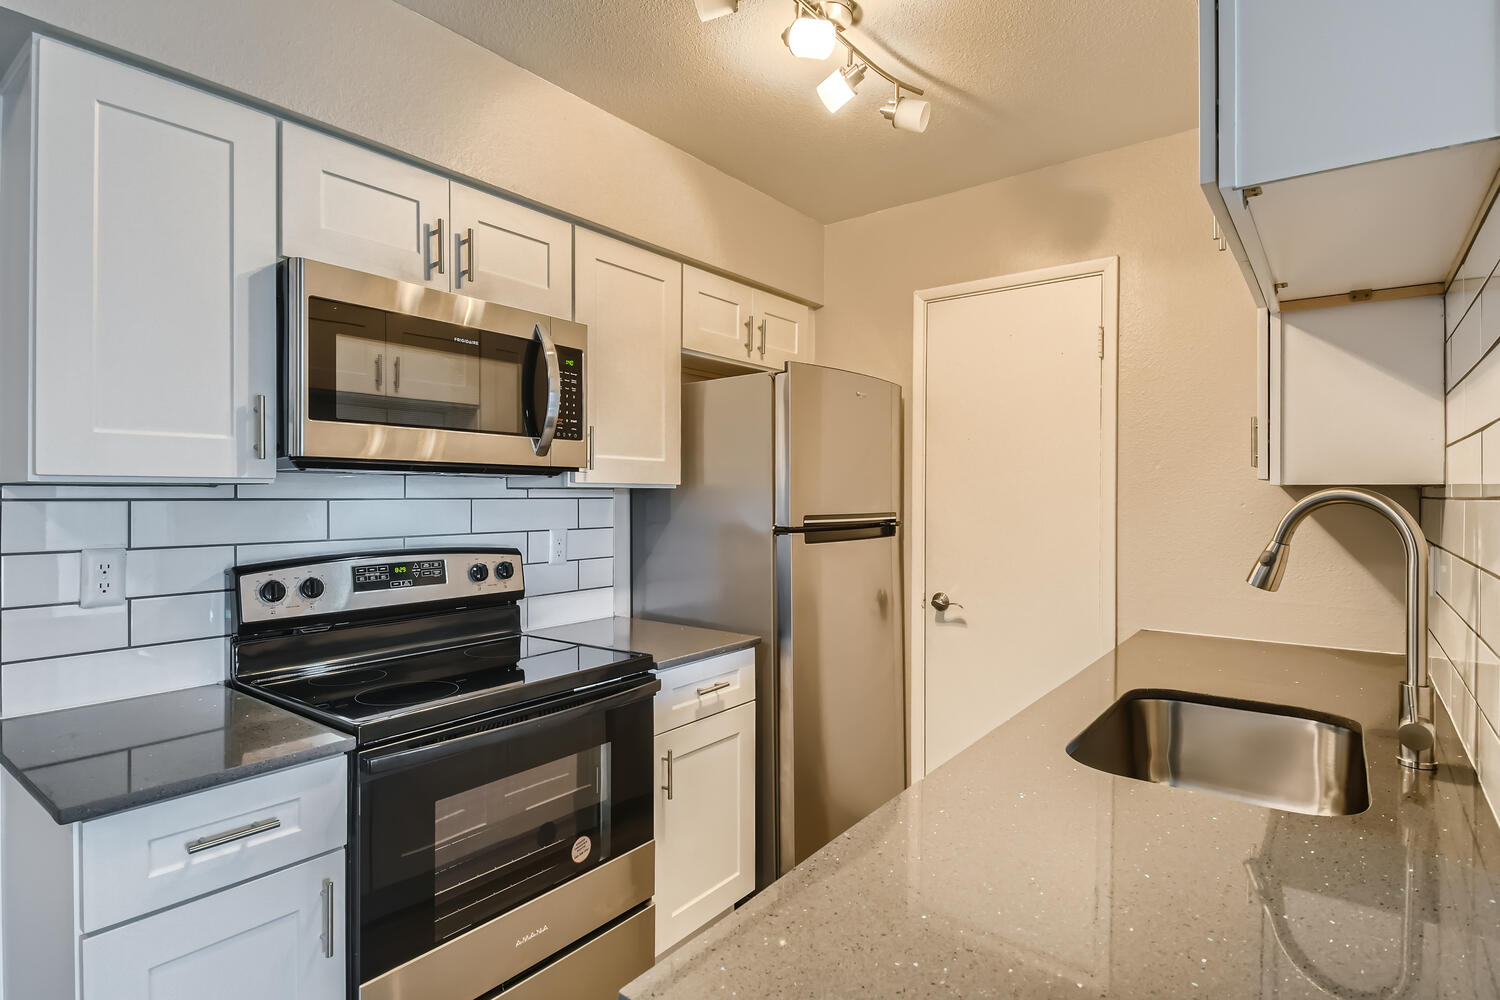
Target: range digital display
(395, 575)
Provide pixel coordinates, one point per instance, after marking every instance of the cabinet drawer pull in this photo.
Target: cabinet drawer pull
(668, 786)
(230, 836)
(704, 692)
(327, 937)
(260, 427)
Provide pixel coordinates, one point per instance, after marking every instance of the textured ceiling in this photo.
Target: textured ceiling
(1015, 84)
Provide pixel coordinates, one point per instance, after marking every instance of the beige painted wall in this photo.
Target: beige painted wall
(373, 69)
(1191, 514)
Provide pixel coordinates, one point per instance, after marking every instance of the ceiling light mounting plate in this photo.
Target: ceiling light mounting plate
(844, 13)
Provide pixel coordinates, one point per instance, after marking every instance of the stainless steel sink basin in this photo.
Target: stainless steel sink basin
(1271, 755)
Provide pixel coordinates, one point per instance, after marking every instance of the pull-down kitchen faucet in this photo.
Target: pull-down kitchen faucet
(1416, 731)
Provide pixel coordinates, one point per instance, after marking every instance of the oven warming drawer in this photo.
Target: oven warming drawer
(476, 962)
(597, 969)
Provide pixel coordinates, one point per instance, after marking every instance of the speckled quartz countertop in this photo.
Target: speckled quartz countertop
(669, 645)
(82, 763)
(1012, 871)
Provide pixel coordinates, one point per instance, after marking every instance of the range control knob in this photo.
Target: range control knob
(311, 588)
(272, 591)
(479, 572)
(505, 570)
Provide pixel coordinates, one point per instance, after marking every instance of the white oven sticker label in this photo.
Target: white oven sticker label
(581, 848)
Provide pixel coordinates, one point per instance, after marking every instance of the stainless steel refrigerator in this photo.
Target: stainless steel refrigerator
(786, 526)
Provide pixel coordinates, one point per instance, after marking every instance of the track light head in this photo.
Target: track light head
(810, 38)
(841, 85)
(908, 113)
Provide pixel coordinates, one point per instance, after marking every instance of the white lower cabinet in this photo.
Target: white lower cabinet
(278, 936)
(705, 821)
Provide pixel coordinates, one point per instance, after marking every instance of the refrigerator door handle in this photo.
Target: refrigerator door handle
(848, 520)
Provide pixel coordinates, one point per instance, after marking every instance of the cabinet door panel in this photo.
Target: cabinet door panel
(265, 938)
(716, 316)
(519, 257)
(357, 208)
(631, 302)
(155, 249)
(705, 834)
(783, 330)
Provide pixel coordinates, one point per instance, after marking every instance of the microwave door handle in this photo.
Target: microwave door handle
(543, 444)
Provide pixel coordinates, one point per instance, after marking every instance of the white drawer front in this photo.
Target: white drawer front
(704, 687)
(138, 861)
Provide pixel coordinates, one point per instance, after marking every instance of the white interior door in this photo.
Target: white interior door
(1018, 500)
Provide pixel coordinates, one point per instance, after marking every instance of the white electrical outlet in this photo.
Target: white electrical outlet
(558, 552)
(101, 581)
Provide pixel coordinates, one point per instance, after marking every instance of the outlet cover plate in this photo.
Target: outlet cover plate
(557, 547)
(101, 578)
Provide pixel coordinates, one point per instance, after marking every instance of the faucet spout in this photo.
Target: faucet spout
(1415, 728)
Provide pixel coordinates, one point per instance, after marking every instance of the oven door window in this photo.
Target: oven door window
(458, 838)
(374, 367)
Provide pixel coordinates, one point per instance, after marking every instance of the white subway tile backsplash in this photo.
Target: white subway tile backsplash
(1463, 474)
(61, 629)
(185, 540)
(247, 555)
(466, 487)
(590, 543)
(564, 609)
(538, 546)
(162, 523)
(150, 572)
(47, 578)
(52, 526)
(594, 573)
(326, 486)
(367, 518)
(173, 619)
(46, 685)
(524, 515)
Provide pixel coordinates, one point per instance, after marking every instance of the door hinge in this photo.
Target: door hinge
(1254, 442)
(1101, 343)
(1246, 194)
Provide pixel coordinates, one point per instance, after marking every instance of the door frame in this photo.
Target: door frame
(1108, 270)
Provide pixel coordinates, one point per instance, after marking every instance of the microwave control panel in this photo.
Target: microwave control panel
(570, 409)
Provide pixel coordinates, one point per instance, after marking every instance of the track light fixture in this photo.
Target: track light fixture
(907, 113)
(816, 30)
(841, 85)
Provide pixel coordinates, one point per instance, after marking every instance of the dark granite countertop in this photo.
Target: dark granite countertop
(1013, 871)
(668, 644)
(83, 763)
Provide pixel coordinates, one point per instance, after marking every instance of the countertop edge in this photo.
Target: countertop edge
(159, 793)
(724, 640)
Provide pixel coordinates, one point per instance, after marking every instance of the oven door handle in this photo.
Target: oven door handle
(543, 444)
(387, 762)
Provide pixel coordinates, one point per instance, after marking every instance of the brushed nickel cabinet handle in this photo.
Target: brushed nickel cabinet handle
(379, 375)
(668, 786)
(749, 335)
(327, 937)
(396, 374)
(704, 692)
(442, 251)
(762, 336)
(230, 836)
(260, 426)
(468, 241)
(434, 232)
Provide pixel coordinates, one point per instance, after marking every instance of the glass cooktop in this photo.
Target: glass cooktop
(448, 683)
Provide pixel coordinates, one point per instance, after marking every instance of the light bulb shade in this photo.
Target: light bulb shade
(911, 115)
(710, 9)
(838, 90)
(811, 38)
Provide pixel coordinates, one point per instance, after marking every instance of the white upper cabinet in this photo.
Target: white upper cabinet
(505, 252)
(726, 319)
(1347, 147)
(783, 330)
(144, 347)
(631, 301)
(347, 205)
(716, 316)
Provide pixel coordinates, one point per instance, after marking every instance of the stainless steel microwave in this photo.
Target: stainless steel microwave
(385, 374)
